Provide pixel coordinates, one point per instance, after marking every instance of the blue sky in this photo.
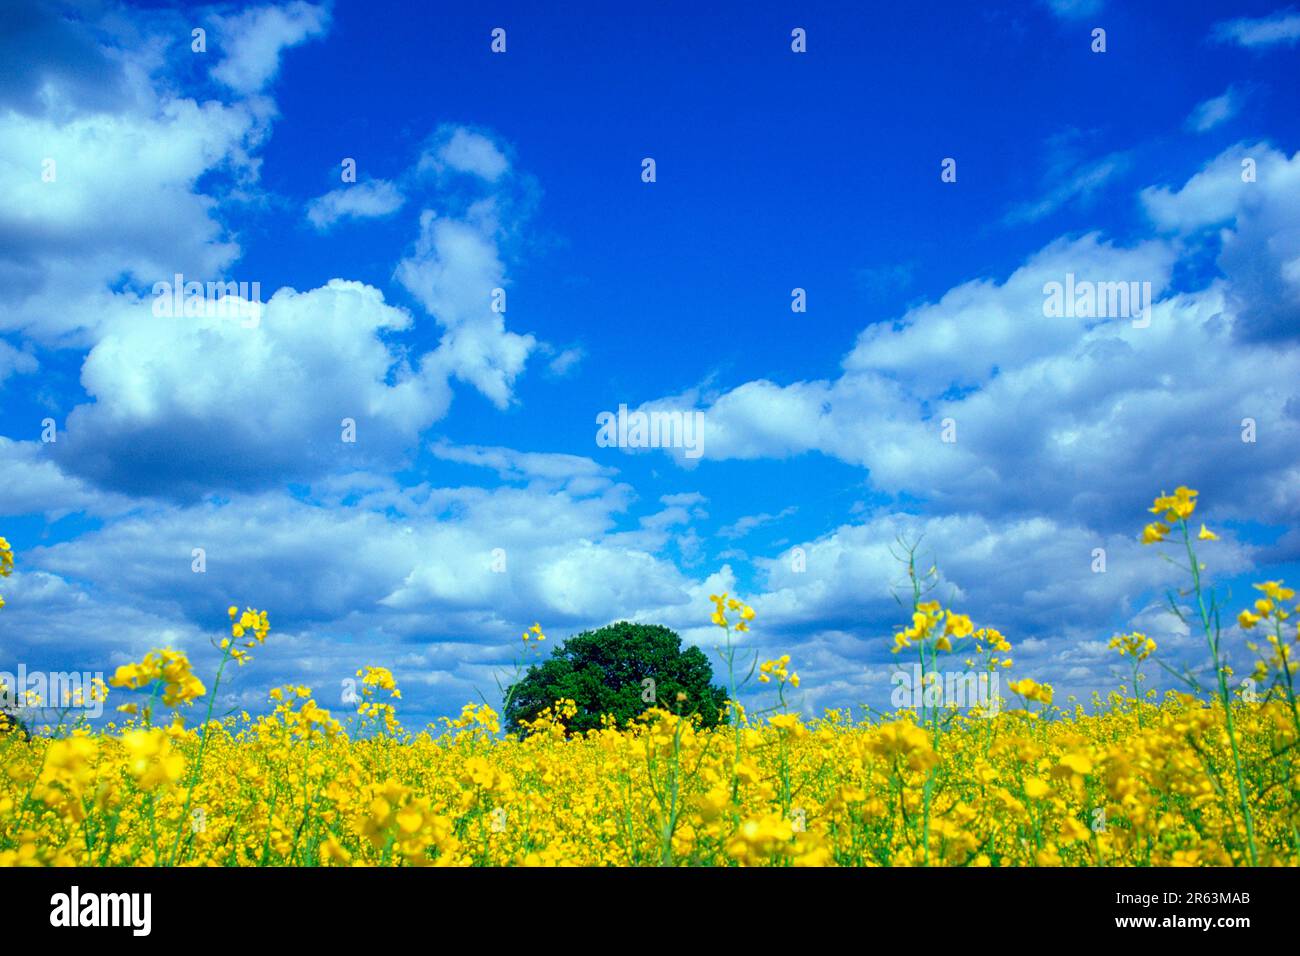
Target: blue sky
(476, 430)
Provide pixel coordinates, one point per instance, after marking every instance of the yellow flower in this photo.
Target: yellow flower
(1275, 590)
(1177, 506)
(1184, 503)
(902, 738)
(1032, 690)
(722, 604)
(958, 625)
(778, 668)
(151, 760)
(1078, 763)
(331, 851)
(1136, 644)
(1207, 535)
(1036, 788)
(1154, 532)
(6, 562)
(171, 667)
(786, 722)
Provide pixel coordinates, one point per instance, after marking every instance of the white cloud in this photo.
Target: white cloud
(183, 404)
(1257, 227)
(1074, 9)
(684, 498)
(1215, 111)
(35, 484)
(1034, 571)
(1069, 183)
(1281, 28)
(465, 151)
(251, 42)
(1089, 431)
(14, 362)
(514, 465)
(744, 525)
(452, 271)
(981, 326)
(122, 202)
(456, 270)
(566, 361)
(368, 200)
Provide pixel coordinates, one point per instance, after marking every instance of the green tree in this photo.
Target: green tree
(609, 670)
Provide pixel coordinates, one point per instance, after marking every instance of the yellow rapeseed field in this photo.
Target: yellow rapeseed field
(1210, 776)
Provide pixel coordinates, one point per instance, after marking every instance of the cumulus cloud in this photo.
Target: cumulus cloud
(56, 62)
(119, 200)
(1245, 201)
(103, 157)
(185, 404)
(36, 485)
(435, 580)
(456, 267)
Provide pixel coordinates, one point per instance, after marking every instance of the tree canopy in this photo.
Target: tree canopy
(621, 669)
